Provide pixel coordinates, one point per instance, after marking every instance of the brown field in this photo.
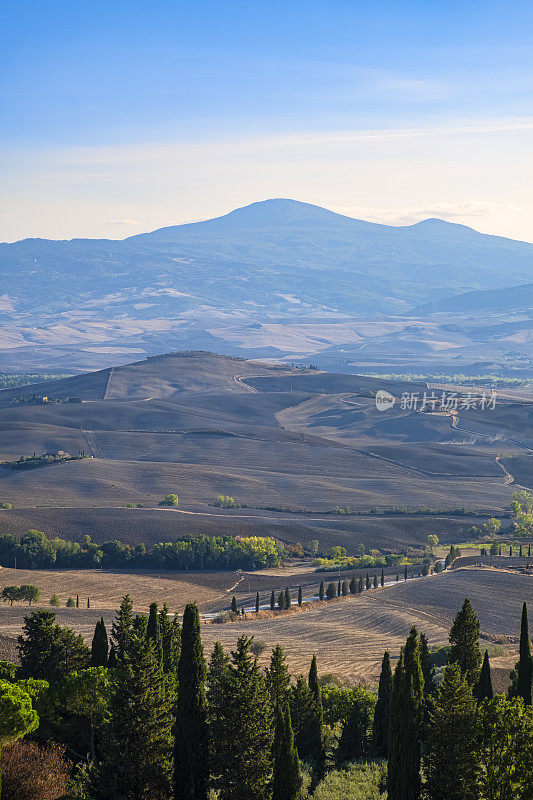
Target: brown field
(348, 635)
(270, 436)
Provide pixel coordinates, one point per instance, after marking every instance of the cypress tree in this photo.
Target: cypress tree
(321, 591)
(112, 660)
(281, 601)
(99, 646)
(191, 752)
(277, 676)
(299, 595)
(170, 640)
(375, 581)
(382, 577)
(331, 591)
(339, 589)
(287, 598)
(234, 607)
(522, 675)
(257, 603)
(405, 725)
(353, 743)
(464, 638)
(367, 585)
(272, 601)
(450, 760)
(380, 730)
(483, 688)
(77, 601)
(353, 586)
(397, 577)
(344, 588)
(153, 634)
(316, 732)
(287, 779)
(405, 573)
(244, 730)
(88, 602)
(360, 585)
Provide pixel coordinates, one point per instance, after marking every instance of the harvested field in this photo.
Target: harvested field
(348, 635)
(153, 525)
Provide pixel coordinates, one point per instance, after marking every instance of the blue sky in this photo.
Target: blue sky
(124, 115)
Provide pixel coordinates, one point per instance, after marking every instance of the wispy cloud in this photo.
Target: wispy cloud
(471, 209)
(123, 222)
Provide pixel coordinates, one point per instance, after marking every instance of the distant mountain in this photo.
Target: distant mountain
(513, 298)
(275, 257)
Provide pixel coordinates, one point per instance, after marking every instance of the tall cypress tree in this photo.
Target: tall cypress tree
(299, 595)
(217, 676)
(382, 577)
(191, 752)
(427, 666)
(257, 602)
(303, 713)
(367, 584)
(316, 732)
(100, 646)
(170, 640)
(380, 730)
(322, 590)
(234, 607)
(272, 601)
(375, 581)
(277, 676)
(287, 598)
(354, 740)
(353, 585)
(405, 726)
(360, 585)
(525, 663)
(450, 760)
(405, 573)
(287, 779)
(464, 638)
(483, 688)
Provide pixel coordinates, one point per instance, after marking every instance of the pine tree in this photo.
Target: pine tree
(244, 730)
(191, 752)
(153, 634)
(122, 627)
(257, 603)
(464, 638)
(380, 730)
(99, 646)
(287, 779)
(427, 666)
(405, 725)
(277, 676)
(299, 595)
(450, 760)
(483, 688)
(272, 601)
(234, 607)
(287, 598)
(321, 591)
(217, 676)
(136, 745)
(353, 586)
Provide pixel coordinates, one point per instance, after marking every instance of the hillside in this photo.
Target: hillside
(279, 440)
(511, 299)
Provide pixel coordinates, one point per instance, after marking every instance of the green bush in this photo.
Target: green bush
(71, 603)
(359, 781)
(171, 500)
(54, 601)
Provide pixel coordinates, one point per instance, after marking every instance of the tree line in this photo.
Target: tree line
(143, 714)
(36, 551)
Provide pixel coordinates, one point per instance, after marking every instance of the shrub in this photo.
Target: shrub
(257, 647)
(365, 781)
(224, 501)
(54, 601)
(6, 505)
(171, 500)
(33, 772)
(71, 603)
